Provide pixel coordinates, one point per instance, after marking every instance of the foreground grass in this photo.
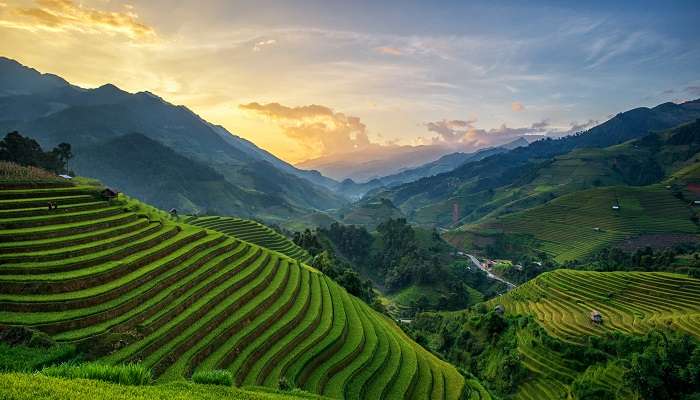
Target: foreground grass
(129, 374)
(36, 386)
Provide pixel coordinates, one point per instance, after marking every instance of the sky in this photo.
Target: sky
(309, 79)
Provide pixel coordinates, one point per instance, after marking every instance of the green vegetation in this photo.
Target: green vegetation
(36, 386)
(414, 267)
(578, 224)
(129, 374)
(25, 151)
(629, 302)
(516, 358)
(215, 377)
(137, 290)
(252, 232)
(26, 358)
(683, 259)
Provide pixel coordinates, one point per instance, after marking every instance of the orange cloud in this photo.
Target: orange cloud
(392, 51)
(317, 128)
(66, 15)
(517, 106)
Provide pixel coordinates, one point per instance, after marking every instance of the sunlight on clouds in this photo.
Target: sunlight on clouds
(66, 15)
(319, 129)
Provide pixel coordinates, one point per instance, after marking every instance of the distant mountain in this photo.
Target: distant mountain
(496, 183)
(51, 110)
(443, 164)
(374, 162)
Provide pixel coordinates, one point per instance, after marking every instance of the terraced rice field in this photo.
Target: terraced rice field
(577, 224)
(181, 299)
(561, 302)
(630, 302)
(252, 232)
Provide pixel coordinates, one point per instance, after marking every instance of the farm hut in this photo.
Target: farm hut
(65, 176)
(696, 202)
(596, 317)
(173, 212)
(596, 229)
(108, 194)
(499, 309)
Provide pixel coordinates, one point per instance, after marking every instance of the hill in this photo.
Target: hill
(481, 187)
(577, 224)
(125, 283)
(630, 302)
(561, 301)
(539, 341)
(51, 110)
(560, 216)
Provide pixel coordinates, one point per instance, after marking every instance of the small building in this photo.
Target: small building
(596, 317)
(596, 229)
(109, 194)
(696, 202)
(65, 176)
(173, 212)
(499, 309)
(615, 207)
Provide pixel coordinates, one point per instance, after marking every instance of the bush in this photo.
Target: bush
(128, 374)
(215, 377)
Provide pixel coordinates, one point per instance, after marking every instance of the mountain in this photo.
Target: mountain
(499, 183)
(637, 194)
(446, 163)
(373, 162)
(155, 173)
(51, 110)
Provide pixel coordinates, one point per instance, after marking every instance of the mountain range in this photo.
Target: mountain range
(502, 182)
(117, 135)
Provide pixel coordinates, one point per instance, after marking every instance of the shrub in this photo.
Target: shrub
(128, 374)
(215, 377)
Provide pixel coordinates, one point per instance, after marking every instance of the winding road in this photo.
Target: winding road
(490, 275)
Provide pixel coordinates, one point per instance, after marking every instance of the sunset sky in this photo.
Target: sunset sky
(306, 79)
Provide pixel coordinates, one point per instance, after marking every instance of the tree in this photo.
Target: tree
(26, 151)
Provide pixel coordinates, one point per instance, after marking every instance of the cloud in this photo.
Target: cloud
(392, 51)
(464, 135)
(576, 127)
(66, 15)
(319, 129)
(517, 106)
(259, 46)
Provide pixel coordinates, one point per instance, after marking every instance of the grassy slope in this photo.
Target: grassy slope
(181, 298)
(566, 227)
